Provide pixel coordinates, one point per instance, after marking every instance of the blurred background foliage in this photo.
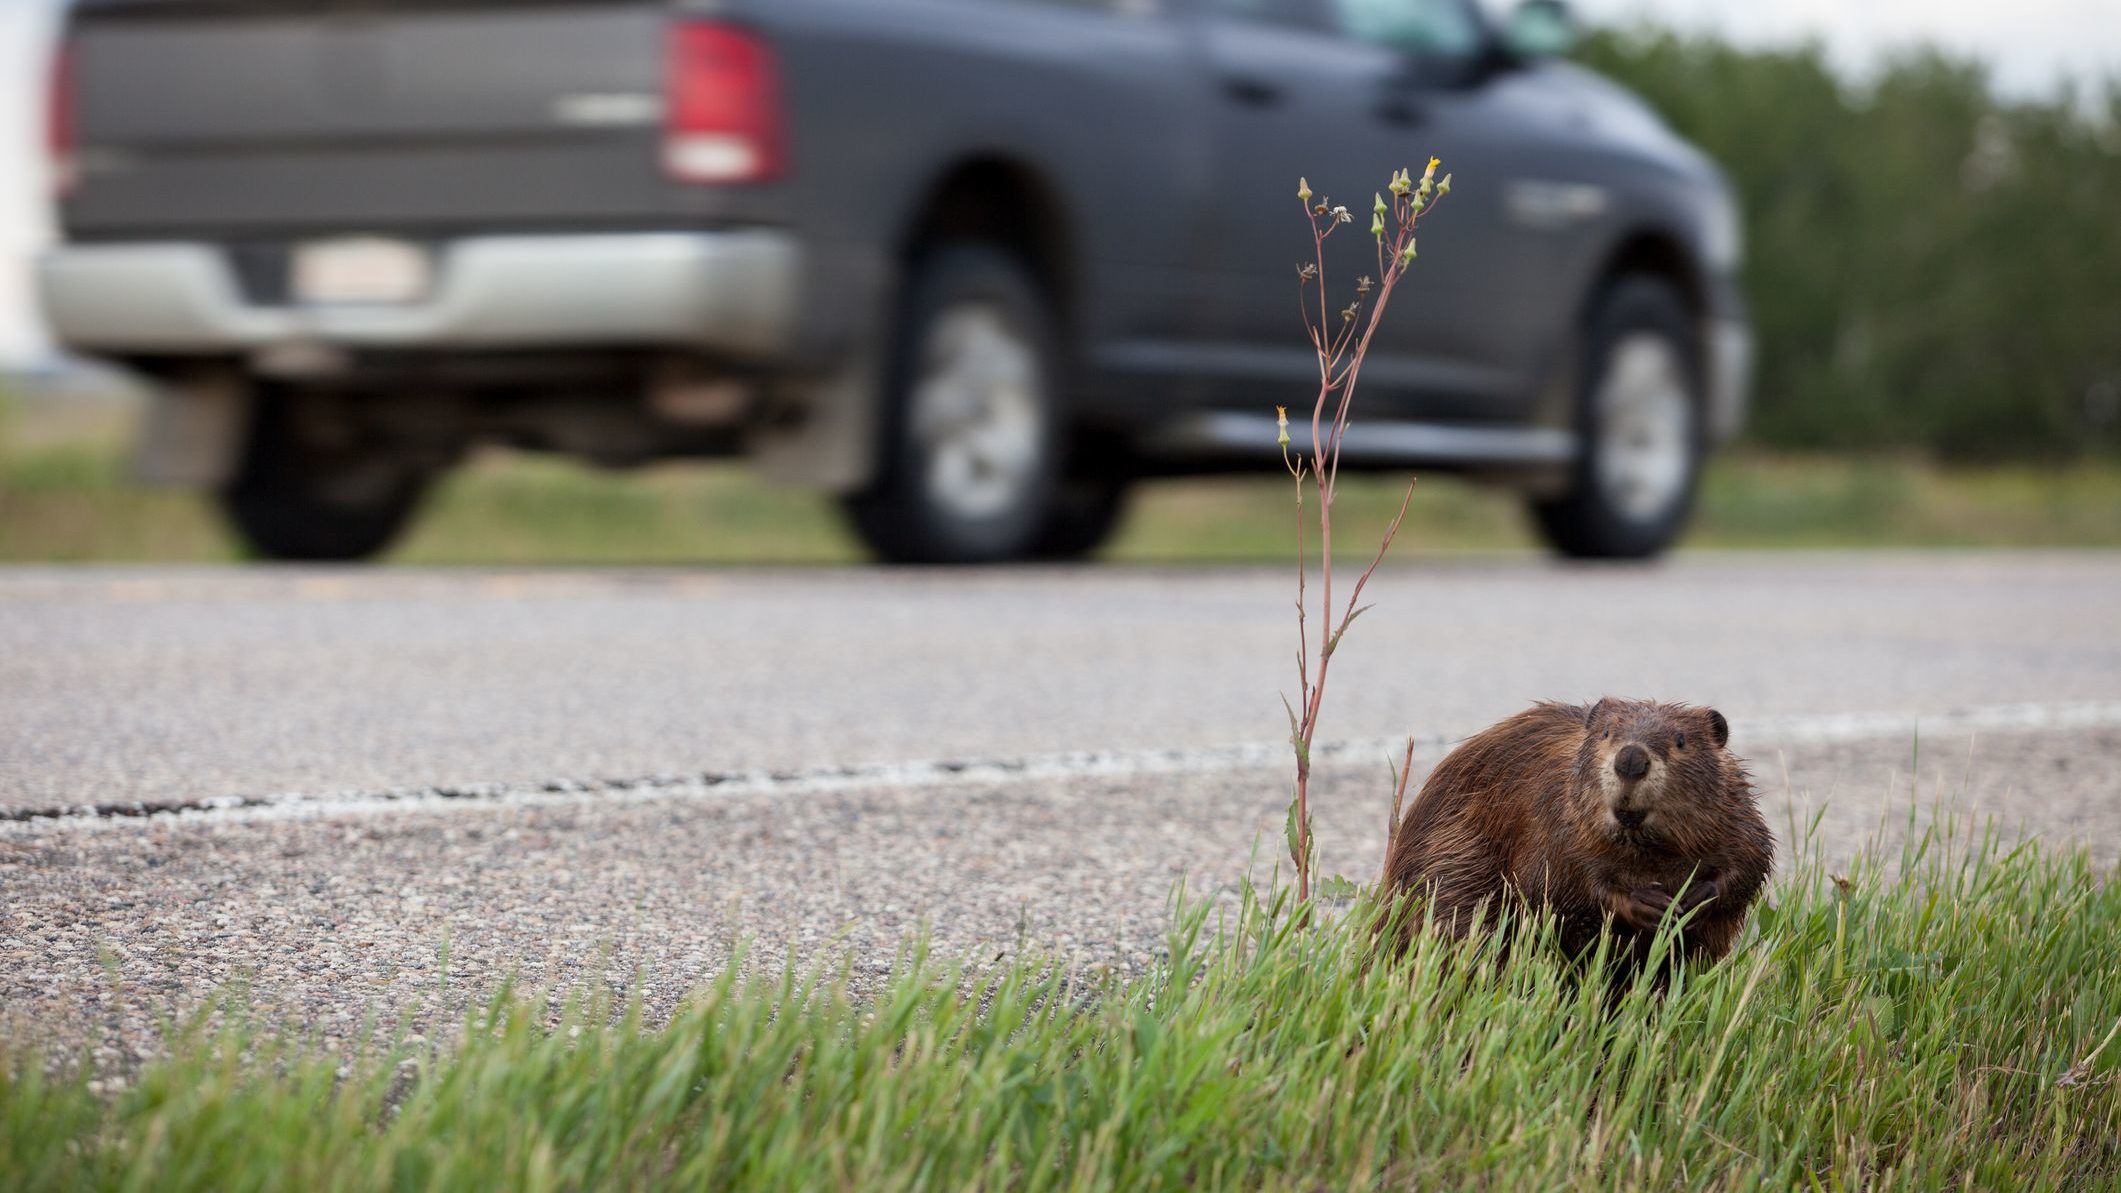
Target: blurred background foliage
(1931, 267)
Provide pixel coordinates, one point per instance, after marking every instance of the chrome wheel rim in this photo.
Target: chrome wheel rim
(1645, 428)
(976, 411)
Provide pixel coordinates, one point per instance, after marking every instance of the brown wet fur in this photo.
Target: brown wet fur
(1529, 811)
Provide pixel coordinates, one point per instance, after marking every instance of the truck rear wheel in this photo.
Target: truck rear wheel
(316, 494)
(969, 470)
(1640, 427)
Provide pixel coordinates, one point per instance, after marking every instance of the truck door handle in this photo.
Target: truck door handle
(1250, 91)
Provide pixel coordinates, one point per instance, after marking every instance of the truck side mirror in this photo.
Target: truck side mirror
(1540, 29)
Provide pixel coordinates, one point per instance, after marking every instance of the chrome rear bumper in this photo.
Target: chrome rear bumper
(732, 292)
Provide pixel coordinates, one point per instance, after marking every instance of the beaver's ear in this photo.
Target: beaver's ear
(1596, 713)
(1719, 728)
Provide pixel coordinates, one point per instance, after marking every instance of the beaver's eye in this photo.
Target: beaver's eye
(1679, 743)
(1609, 735)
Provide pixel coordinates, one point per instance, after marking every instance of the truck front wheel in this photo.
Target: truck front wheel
(310, 490)
(1640, 427)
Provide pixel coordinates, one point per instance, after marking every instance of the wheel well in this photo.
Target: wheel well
(1657, 255)
(1000, 202)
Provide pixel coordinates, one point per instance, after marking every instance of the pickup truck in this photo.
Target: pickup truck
(973, 267)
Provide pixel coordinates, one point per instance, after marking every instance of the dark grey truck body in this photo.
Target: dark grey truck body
(1138, 159)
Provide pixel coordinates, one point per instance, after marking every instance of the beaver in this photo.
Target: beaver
(1609, 815)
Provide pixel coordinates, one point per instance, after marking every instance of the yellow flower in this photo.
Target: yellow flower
(1281, 423)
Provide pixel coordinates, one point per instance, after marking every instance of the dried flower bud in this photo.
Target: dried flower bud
(1281, 424)
(1363, 284)
(1347, 314)
(1307, 272)
(1303, 190)
(1340, 215)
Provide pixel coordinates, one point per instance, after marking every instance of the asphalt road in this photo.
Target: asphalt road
(608, 776)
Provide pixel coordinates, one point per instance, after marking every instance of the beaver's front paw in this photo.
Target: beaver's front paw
(1698, 892)
(1644, 907)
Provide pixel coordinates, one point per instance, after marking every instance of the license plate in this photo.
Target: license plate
(368, 270)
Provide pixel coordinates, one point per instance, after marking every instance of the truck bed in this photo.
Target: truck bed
(235, 118)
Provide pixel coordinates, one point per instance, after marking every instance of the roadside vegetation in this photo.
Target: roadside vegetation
(1313, 461)
(1947, 1016)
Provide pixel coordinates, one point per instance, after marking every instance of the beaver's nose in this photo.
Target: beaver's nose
(1631, 763)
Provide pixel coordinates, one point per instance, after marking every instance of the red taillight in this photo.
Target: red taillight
(59, 122)
(724, 117)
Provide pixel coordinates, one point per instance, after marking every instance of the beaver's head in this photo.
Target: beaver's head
(1646, 770)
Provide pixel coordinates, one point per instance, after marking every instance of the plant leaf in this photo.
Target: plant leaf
(1333, 643)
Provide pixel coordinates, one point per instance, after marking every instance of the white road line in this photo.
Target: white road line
(940, 774)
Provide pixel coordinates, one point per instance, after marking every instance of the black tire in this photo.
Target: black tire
(1630, 495)
(924, 506)
(1083, 515)
(300, 497)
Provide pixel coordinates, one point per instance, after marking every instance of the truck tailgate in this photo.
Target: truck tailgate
(243, 117)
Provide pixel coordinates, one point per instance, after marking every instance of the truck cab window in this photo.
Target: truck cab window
(1429, 28)
(1125, 8)
(1303, 14)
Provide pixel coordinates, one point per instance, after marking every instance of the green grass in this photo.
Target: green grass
(69, 502)
(1950, 1019)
